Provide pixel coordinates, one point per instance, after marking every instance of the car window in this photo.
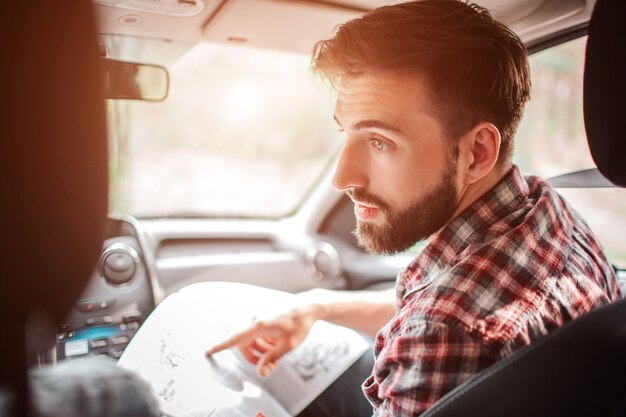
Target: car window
(551, 141)
(243, 133)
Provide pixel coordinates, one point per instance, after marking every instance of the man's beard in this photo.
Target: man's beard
(417, 222)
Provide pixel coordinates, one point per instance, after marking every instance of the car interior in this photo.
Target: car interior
(149, 146)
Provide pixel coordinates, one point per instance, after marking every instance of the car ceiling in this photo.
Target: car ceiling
(296, 25)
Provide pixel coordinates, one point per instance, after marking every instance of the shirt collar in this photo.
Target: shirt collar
(473, 223)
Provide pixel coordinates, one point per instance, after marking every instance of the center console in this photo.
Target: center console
(119, 296)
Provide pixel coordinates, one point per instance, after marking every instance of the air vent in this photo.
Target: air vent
(179, 8)
(322, 261)
(119, 263)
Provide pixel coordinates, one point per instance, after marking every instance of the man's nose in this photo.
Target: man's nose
(351, 171)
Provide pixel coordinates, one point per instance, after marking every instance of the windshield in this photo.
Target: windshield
(243, 133)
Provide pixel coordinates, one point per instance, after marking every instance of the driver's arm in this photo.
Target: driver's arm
(364, 311)
(267, 340)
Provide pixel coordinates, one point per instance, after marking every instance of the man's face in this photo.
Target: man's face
(397, 165)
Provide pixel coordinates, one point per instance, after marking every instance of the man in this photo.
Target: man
(430, 94)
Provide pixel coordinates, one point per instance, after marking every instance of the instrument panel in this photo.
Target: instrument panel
(119, 296)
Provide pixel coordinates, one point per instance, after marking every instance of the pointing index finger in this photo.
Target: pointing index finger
(228, 343)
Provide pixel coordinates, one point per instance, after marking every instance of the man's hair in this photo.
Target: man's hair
(476, 69)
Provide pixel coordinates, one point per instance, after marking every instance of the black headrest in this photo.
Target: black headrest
(54, 171)
(604, 97)
(54, 153)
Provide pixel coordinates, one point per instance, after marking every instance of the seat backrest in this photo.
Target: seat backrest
(54, 162)
(579, 369)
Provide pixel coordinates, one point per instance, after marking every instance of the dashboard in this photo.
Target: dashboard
(141, 262)
(119, 296)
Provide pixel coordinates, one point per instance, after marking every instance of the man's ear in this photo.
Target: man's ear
(479, 148)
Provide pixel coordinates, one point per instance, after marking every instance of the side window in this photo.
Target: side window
(551, 141)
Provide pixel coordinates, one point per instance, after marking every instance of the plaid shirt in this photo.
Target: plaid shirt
(516, 264)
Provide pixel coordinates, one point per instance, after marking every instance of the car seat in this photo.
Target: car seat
(54, 176)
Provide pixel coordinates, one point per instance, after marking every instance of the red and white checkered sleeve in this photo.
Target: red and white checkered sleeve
(423, 363)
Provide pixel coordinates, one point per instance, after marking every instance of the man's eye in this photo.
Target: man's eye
(380, 145)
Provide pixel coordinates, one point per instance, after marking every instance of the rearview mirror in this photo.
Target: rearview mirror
(133, 81)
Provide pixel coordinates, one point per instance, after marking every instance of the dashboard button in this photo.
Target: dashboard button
(99, 343)
(94, 321)
(88, 306)
(131, 316)
(120, 340)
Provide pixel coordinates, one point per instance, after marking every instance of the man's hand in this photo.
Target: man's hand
(266, 341)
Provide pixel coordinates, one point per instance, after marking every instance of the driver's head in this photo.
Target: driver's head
(430, 94)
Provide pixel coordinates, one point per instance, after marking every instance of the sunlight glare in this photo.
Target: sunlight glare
(243, 102)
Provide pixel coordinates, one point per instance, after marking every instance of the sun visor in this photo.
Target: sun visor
(289, 25)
